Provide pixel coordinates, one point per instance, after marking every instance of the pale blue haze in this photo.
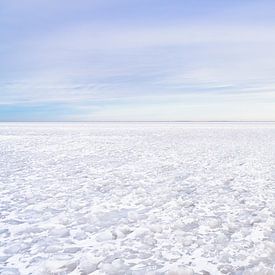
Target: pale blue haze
(137, 60)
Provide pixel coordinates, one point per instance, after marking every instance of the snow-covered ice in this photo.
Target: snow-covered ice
(137, 198)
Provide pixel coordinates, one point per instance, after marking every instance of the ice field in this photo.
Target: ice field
(137, 198)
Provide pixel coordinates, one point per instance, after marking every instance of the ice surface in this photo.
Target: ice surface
(137, 198)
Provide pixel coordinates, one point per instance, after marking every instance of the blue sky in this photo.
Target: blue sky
(137, 60)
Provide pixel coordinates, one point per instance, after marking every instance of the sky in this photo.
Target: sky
(98, 60)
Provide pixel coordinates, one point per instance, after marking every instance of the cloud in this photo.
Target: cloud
(95, 67)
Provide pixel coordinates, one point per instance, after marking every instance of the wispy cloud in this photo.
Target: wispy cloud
(117, 64)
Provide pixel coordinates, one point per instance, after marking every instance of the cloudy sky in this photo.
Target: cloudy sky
(137, 60)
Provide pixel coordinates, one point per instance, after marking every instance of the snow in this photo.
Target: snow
(137, 198)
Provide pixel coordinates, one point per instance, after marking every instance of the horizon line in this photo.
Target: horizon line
(134, 121)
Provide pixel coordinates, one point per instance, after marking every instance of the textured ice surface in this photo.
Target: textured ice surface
(140, 198)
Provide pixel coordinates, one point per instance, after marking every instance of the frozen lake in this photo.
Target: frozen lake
(137, 198)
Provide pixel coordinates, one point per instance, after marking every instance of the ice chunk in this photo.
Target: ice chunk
(259, 270)
(125, 229)
(71, 250)
(9, 271)
(213, 222)
(60, 232)
(180, 271)
(16, 248)
(89, 263)
(118, 234)
(156, 228)
(170, 255)
(105, 236)
(140, 232)
(118, 264)
(59, 266)
(133, 216)
(52, 249)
